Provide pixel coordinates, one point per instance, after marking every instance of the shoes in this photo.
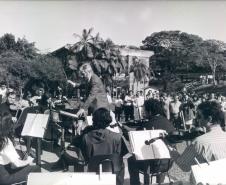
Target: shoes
(59, 165)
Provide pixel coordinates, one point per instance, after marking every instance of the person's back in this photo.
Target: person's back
(101, 142)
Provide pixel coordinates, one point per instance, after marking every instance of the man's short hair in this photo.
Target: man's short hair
(213, 109)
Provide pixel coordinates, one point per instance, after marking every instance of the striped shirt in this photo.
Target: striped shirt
(210, 146)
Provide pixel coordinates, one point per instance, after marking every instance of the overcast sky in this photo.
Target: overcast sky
(51, 24)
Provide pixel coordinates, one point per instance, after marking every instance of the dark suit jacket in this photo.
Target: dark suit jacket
(97, 96)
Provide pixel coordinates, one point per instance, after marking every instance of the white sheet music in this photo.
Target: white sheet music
(156, 150)
(35, 125)
(211, 174)
(57, 178)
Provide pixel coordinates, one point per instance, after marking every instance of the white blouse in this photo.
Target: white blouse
(9, 155)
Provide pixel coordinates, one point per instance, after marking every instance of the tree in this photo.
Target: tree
(26, 49)
(173, 48)
(7, 42)
(15, 70)
(49, 70)
(86, 45)
(211, 53)
(174, 51)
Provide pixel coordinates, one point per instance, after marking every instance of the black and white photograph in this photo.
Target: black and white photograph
(110, 92)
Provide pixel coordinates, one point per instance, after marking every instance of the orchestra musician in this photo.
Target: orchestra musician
(34, 100)
(95, 140)
(3, 91)
(211, 145)
(12, 168)
(154, 111)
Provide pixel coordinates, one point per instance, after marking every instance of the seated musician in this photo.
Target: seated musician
(155, 113)
(97, 140)
(34, 100)
(12, 105)
(3, 91)
(209, 146)
(12, 168)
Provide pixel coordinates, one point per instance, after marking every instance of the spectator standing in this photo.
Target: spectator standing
(174, 108)
(188, 109)
(129, 106)
(165, 100)
(118, 107)
(139, 102)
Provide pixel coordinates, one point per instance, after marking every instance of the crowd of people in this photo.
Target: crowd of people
(169, 112)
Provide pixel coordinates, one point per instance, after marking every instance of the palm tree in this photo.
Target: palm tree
(103, 55)
(85, 46)
(140, 71)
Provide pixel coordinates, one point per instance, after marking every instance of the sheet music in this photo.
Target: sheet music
(214, 173)
(35, 125)
(89, 120)
(156, 150)
(57, 178)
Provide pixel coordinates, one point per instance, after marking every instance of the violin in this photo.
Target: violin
(179, 136)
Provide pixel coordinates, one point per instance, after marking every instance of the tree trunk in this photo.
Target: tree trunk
(214, 76)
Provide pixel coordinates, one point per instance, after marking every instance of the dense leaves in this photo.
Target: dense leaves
(177, 52)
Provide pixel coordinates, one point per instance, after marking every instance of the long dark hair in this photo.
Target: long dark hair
(6, 128)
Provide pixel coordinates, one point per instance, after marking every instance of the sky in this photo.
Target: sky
(51, 24)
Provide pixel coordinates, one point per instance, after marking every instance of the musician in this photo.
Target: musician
(12, 168)
(155, 113)
(97, 140)
(34, 100)
(3, 91)
(96, 95)
(209, 146)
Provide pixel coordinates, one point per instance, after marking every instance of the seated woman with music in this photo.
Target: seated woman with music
(12, 168)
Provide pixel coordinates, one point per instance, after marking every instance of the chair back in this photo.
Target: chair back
(158, 166)
(110, 163)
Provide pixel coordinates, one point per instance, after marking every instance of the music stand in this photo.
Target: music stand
(34, 127)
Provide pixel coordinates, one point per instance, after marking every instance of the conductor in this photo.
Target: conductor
(96, 94)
